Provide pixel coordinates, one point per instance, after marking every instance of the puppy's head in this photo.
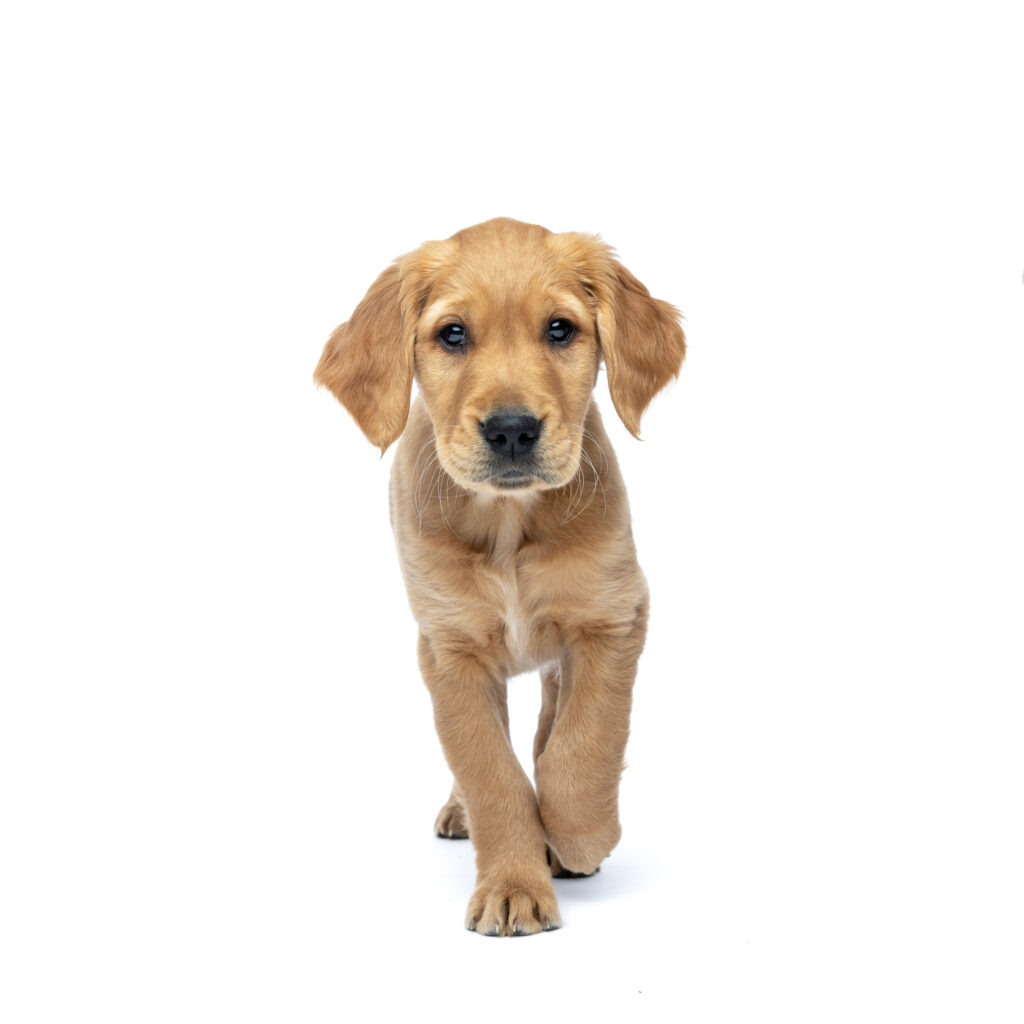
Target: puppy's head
(504, 326)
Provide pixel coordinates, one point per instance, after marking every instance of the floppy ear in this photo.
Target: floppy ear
(367, 363)
(641, 340)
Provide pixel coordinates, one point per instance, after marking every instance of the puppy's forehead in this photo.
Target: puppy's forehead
(503, 263)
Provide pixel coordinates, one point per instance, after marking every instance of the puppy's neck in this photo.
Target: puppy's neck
(500, 522)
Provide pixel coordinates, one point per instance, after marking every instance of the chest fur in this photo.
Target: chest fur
(519, 613)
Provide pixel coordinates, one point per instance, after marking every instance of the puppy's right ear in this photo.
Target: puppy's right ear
(367, 363)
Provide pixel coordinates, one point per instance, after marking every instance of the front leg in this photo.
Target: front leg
(513, 894)
(579, 769)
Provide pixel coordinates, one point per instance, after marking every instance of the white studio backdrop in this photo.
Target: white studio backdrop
(217, 764)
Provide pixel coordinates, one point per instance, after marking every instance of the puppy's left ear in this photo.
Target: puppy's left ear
(641, 340)
(367, 363)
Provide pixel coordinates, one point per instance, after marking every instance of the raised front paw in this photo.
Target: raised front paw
(558, 870)
(580, 812)
(577, 843)
(513, 906)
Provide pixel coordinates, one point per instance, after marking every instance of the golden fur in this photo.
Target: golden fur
(514, 566)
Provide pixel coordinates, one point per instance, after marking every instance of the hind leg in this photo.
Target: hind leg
(549, 686)
(451, 820)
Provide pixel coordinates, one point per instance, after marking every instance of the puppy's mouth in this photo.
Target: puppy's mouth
(529, 475)
(512, 480)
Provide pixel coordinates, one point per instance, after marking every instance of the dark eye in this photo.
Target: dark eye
(453, 336)
(561, 332)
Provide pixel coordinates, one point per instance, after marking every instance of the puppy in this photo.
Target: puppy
(513, 528)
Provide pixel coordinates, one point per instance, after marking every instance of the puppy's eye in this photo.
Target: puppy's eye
(453, 336)
(561, 332)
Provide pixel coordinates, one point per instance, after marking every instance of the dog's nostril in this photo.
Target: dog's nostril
(511, 434)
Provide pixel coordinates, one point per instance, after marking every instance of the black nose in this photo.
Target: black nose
(511, 434)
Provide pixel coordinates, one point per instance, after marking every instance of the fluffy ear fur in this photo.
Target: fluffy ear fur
(641, 340)
(642, 343)
(367, 363)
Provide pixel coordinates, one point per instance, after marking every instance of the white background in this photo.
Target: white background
(217, 762)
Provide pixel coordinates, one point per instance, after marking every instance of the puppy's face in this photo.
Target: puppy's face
(504, 326)
(506, 355)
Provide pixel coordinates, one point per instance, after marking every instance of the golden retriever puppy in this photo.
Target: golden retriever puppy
(513, 528)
